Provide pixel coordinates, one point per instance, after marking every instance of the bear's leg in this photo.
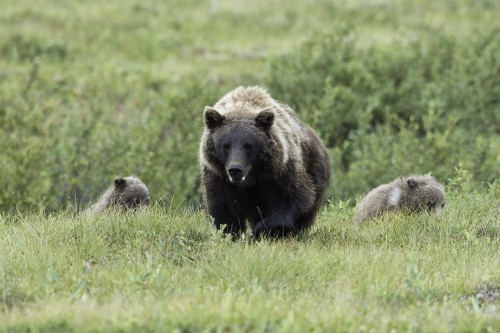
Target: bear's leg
(292, 199)
(280, 224)
(218, 196)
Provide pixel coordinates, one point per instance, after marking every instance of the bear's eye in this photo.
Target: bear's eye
(226, 146)
(248, 146)
(442, 205)
(430, 205)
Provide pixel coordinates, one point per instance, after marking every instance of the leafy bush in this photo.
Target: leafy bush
(68, 147)
(80, 107)
(397, 109)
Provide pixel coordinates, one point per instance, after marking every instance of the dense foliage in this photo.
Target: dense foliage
(427, 105)
(85, 100)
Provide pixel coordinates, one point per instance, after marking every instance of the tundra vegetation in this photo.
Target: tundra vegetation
(90, 90)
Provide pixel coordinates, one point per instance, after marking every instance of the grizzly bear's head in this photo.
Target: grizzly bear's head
(424, 193)
(130, 193)
(239, 143)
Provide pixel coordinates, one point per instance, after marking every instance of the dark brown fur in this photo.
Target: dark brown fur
(260, 164)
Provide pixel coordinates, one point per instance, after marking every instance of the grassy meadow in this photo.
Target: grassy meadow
(90, 90)
(168, 270)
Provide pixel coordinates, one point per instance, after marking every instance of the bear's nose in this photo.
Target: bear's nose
(235, 172)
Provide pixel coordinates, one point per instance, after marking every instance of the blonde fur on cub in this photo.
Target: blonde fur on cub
(128, 193)
(413, 193)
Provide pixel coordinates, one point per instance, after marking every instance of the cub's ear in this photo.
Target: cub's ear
(120, 182)
(212, 117)
(412, 183)
(265, 119)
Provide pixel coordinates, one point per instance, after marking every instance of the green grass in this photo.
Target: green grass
(168, 269)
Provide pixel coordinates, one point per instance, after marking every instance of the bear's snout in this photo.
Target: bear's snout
(235, 173)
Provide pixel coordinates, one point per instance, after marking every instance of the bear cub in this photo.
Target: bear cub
(127, 193)
(261, 165)
(414, 194)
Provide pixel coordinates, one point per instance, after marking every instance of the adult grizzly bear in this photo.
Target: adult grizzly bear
(414, 193)
(261, 164)
(128, 193)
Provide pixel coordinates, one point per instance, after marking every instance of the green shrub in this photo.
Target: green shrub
(68, 137)
(397, 109)
(85, 100)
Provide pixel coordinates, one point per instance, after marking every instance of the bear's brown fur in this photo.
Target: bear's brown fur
(260, 164)
(128, 193)
(414, 194)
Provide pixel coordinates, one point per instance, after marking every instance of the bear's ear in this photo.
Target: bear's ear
(265, 119)
(412, 183)
(212, 117)
(120, 182)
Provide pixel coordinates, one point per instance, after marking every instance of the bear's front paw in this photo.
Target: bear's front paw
(270, 229)
(258, 231)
